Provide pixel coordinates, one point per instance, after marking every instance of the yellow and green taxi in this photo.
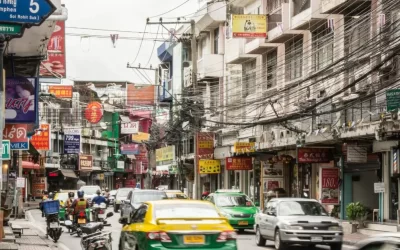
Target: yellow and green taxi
(236, 206)
(175, 194)
(183, 224)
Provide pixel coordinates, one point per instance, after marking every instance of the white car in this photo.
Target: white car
(90, 192)
(120, 198)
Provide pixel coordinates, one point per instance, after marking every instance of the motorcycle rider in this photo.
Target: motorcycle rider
(107, 195)
(98, 199)
(68, 204)
(79, 205)
(44, 198)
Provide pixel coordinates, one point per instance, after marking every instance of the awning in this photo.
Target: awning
(68, 173)
(30, 165)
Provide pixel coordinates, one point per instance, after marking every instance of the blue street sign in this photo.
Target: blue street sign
(19, 145)
(32, 12)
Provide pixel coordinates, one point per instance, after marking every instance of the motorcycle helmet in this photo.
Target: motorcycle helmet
(106, 189)
(51, 195)
(98, 192)
(71, 195)
(80, 194)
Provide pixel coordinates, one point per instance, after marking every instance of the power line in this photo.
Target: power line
(171, 9)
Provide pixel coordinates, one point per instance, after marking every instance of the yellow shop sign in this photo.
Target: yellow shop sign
(244, 147)
(209, 166)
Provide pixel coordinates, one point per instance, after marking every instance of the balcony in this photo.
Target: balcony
(345, 7)
(235, 51)
(211, 17)
(307, 15)
(210, 66)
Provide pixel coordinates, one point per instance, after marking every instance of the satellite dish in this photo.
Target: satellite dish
(103, 125)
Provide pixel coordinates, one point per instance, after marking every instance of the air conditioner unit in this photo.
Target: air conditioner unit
(97, 134)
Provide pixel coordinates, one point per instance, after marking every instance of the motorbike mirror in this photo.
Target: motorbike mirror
(110, 214)
(123, 220)
(68, 223)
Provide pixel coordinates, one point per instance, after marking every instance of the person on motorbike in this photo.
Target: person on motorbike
(68, 204)
(107, 195)
(98, 199)
(79, 205)
(44, 198)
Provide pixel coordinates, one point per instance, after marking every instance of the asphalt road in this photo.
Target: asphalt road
(246, 240)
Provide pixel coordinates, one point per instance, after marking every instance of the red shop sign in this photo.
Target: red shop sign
(239, 163)
(329, 185)
(94, 112)
(314, 155)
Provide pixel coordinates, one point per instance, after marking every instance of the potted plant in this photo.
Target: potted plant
(356, 214)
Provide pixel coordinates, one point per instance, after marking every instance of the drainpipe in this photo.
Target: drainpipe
(62, 17)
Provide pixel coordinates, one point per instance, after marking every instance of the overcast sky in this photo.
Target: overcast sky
(95, 58)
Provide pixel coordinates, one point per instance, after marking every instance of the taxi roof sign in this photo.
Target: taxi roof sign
(228, 191)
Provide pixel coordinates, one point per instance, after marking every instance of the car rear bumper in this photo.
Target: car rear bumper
(228, 246)
(240, 223)
(311, 237)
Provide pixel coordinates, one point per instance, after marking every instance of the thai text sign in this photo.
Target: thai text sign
(129, 128)
(61, 91)
(55, 65)
(329, 185)
(85, 163)
(244, 147)
(209, 166)
(140, 137)
(165, 154)
(129, 149)
(41, 139)
(21, 100)
(72, 141)
(314, 155)
(17, 135)
(5, 150)
(392, 99)
(249, 26)
(239, 163)
(205, 145)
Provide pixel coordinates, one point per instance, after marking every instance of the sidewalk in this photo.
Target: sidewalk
(352, 239)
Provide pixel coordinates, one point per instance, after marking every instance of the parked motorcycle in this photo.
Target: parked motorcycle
(97, 241)
(99, 212)
(87, 228)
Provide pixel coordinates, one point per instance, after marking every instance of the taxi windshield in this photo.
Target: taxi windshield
(176, 196)
(180, 210)
(232, 201)
(140, 197)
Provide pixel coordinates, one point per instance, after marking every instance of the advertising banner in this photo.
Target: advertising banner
(141, 137)
(272, 170)
(94, 112)
(55, 65)
(140, 95)
(17, 135)
(315, 155)
(21, 100)
(72, 141)
(129, 128)
(129, 149)
(329, 185)
(61, 91)
(249, 26)
(244, 147)
(209, 166)
(85, 163)
(239, 163)
(41, 139)
(166, 154)
(205, 145)
(38, 186)
(272, 183)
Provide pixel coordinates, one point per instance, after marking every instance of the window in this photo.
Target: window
(138, 217)
(216, 39)
(300, 6)
(270, 64)
(294, 59)
(322, 48)
(249, 78)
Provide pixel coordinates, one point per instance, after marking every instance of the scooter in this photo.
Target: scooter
(99, 212)
(87, 228)
(53, 228)
(97, 241)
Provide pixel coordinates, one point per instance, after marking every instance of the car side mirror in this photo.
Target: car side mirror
(123, 221)
(127, 201)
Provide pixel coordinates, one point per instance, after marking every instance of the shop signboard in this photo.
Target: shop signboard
(139, 168)
(21, 100)
(357, 154)
(205, 145)
(128, 128)
(249, 26)
(141, 137)
(329, 185)
(392, 99)
(41, 139)
(5, 150)
(244, 147)
(94, 112)
(379, 187)
(209, 166)
(85, 163)
(130, 149)
(38, 186)
(270, 184)
(72, 141)
(272, 170)
(17, 134)
(61, 91)
(315, 155)
(166, 154)
(239, 163)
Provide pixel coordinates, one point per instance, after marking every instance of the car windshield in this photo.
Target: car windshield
(89, 190)
(232, 201)
(123, 192)
(140, 197)
(301, 208)
(176, 196)
(179, 210)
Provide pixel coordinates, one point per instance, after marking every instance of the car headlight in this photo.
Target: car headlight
(290, 227)
(226, 215)
(335, 228)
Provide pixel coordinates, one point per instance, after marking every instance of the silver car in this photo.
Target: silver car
(296, 221)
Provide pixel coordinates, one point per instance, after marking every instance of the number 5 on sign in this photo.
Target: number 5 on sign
(34, 7)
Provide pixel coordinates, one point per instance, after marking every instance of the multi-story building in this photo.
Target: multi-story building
(317, 83)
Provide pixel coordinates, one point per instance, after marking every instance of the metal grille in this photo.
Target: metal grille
(242, 215)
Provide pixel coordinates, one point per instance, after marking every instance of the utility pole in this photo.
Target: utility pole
(196, 187)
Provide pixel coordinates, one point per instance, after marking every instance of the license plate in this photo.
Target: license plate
(316, 239)
(81, 221)
(194, 239)
(101, 216)
(243, 223)
(53, 225)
